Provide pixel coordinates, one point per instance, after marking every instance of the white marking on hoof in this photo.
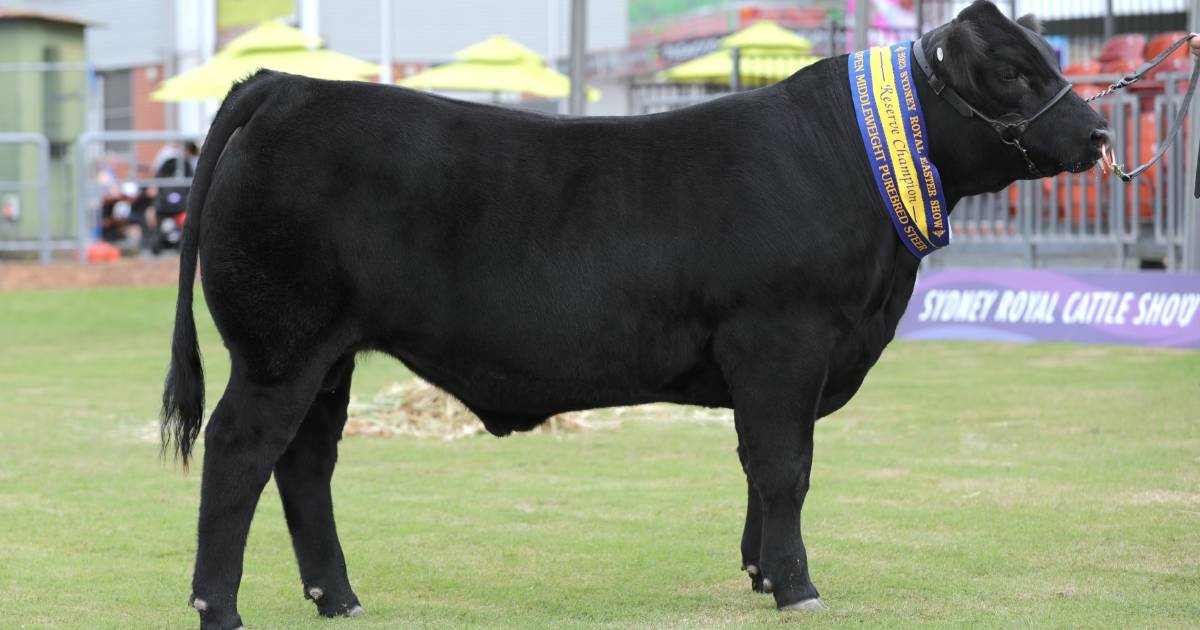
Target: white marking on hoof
(766, 585)
(357, 611)
(199, 604)
(808, 604)
(315, 593)
(751, 569)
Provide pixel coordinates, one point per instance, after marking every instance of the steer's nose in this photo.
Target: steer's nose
(1101, 137)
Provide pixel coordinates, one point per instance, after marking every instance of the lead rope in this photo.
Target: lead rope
(1138, 75)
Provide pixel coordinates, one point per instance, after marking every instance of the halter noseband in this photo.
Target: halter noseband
(1010, 127)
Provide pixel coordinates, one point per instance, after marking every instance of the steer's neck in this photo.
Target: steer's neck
(966, 151)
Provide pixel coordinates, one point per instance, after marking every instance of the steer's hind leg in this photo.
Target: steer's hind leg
(303, 474)
(776, 383)
(752, 531)
(249, 429)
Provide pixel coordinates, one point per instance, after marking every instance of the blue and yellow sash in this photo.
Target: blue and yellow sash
(893, 134)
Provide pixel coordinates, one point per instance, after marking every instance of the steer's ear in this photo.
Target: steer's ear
(965, 50)
(1031, 22)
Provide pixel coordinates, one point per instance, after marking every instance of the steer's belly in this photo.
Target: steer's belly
(561, 366)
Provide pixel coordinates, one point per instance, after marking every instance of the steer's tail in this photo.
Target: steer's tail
(183, 393)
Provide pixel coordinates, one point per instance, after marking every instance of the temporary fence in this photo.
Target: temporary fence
(11, 204)
(43, 111)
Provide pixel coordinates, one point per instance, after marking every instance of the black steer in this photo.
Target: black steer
(733, 254)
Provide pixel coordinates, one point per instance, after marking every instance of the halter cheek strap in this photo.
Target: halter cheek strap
(1011, 131)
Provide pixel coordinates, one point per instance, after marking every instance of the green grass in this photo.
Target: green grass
(967, 485)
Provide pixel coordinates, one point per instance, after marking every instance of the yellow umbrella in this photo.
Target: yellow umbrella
(272, 45)
(755, 67)
(767, 34)
(497, 64)
(272, 34)
(766, 52)
(497, 49)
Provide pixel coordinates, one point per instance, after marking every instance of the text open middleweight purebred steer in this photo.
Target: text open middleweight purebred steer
(733, 254)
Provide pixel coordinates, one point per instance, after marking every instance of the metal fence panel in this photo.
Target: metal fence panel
(41, 184)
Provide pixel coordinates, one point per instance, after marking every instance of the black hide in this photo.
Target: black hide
(731, 254)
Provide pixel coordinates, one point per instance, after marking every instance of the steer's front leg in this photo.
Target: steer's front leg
(775, 404)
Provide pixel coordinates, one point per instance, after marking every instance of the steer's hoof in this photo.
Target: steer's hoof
(336, 604)
(212, 620)
(353, 610)
(808, 604)
(756, 578)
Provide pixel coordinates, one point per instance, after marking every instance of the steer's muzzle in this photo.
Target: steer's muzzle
(1102, 143)
(1099, 150)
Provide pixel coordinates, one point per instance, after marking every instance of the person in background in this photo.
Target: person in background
(171, 201)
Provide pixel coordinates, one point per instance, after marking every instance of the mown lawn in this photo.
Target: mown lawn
(968, 485)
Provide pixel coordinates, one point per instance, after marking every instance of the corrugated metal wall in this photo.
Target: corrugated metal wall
(124, 33)
(136, 32)
(431, 31)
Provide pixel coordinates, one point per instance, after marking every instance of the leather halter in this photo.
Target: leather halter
(1010, 127)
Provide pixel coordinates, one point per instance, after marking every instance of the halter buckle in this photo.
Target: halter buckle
(1011, 132)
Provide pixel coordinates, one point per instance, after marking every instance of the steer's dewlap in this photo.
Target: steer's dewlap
(894, 139)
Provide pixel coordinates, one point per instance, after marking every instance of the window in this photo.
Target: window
(118, 105)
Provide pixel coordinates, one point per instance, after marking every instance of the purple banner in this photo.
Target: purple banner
(1139, 308)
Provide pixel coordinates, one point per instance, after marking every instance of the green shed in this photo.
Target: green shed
(43, 89)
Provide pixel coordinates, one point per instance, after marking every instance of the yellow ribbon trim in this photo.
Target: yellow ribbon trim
(904, 166)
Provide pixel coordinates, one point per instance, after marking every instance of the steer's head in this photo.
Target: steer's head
(1008, 72)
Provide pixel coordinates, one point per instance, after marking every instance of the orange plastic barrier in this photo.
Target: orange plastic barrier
(102, 252)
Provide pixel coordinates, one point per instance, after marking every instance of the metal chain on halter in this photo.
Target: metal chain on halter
(1141, 72)
(1108, 90)
(1138, 75)
(1025, 154)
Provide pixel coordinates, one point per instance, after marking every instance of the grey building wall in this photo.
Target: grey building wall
(136, 32)
(129, 33)
(123, 33)
(426, 31)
